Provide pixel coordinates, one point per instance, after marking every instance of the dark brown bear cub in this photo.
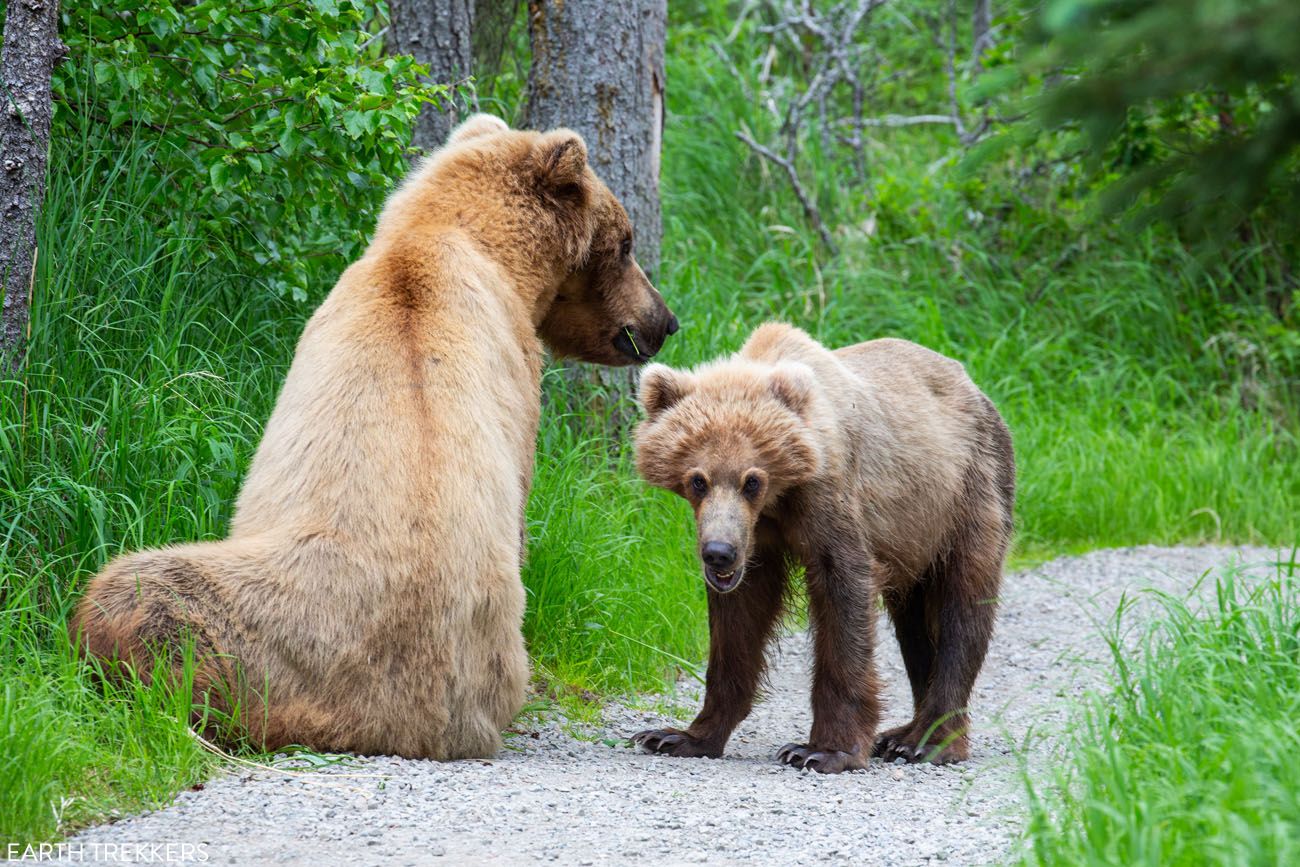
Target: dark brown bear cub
(883, 471)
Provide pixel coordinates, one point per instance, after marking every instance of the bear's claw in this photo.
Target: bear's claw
(656, 740)
(911, 746)
(673, 742)
(792, 754)
(809, 757)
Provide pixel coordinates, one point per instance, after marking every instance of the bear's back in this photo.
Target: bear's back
(925, 399)
(908, 370)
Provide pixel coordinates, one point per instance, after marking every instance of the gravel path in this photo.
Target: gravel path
(552, 797)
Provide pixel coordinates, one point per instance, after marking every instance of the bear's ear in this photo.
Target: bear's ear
(662, 387)
(792, 383)
(477, 125)
(559, 160)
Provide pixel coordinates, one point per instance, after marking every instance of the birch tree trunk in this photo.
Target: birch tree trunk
(438, 34)
(598, 68)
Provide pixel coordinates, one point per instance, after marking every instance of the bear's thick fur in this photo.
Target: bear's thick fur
(881, 469)
(368, 598)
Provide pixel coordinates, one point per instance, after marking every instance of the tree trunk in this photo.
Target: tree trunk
(598, 68)
(438, 34)
(981, 37)
(31, 48)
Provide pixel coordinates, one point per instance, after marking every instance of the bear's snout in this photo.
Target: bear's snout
(721, 556)
(721, 569)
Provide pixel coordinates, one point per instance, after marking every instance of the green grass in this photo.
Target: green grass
(73, 751)
(1189, 758)
(1151, 399)
(146, 388)
(614, 602)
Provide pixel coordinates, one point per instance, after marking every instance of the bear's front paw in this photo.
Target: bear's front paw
(673, 742)
(811, 758)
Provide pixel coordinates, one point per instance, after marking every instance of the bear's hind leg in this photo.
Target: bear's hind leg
(916, 642)
(960, 608)
(132, 615)
(144, 612)
(915, 638)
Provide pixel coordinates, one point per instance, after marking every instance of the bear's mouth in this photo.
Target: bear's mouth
(632, 345)
(723, 582)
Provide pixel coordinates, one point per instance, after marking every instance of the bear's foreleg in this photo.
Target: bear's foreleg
(740, 625)
(845, 700)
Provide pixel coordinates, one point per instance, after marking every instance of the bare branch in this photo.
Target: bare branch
(380, 35)
(809, 206)
(827, 80)
(897, 120)
(951, 69)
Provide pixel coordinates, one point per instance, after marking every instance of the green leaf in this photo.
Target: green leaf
(218, 173)
(290, 139)
(205, 75)
(1060, 14)
(160, 25)
(232, 90)
(355, 123)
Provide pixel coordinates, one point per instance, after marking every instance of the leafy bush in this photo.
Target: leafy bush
(285, 120)
(1192, 101)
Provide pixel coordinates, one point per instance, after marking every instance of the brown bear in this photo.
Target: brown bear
(368, 598)
(879, 468)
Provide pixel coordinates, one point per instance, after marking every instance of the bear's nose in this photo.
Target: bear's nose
(673, 325)
(719, 555)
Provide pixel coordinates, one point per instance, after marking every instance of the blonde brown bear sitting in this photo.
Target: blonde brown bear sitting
(368, 598)
(882, 470)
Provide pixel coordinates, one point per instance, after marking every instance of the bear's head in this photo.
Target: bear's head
(548, 219)
(731, 438)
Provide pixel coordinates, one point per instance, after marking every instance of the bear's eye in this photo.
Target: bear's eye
(625, 248)
(752, 484)
(699, 485)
